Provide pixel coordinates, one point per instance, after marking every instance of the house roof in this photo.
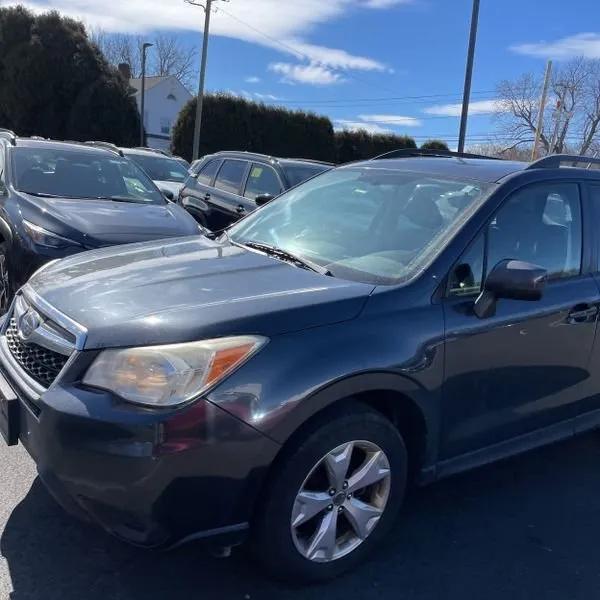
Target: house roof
(136, 82)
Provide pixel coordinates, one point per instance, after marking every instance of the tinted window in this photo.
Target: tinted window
(81, 174)
(376, 225)
(297, 172)
(208, 172)
(160, 168)
(262, 180)
(231, 175)
(540, 224)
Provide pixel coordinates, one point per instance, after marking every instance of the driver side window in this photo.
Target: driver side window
(540, 224)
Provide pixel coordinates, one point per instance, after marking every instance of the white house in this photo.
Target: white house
(165, 97)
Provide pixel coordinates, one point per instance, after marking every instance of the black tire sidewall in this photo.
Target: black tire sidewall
(272, 538)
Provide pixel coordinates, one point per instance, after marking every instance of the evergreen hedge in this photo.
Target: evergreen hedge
(234, 123)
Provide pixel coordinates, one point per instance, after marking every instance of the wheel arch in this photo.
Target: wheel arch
(398, 398)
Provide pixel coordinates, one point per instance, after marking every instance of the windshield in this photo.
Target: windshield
(161, 168)
(297, 172)
(367, 224)
(81, 174)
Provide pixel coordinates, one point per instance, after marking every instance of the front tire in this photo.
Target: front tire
(333, 496)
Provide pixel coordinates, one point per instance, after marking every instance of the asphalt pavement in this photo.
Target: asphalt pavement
(526, 528)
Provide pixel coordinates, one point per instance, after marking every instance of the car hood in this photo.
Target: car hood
(188, 289)
(96, 223)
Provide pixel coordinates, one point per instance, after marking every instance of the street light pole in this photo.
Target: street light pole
(200, 99)
(143, 101)
(468, 76)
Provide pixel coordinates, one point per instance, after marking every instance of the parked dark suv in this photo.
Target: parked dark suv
(59, 198)
(407, 316)
(225, 186)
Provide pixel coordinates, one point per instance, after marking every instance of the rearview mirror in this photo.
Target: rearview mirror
(513, 280)
(263, 199)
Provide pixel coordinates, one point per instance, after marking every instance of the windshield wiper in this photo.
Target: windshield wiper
(119, 199)
(288, 256)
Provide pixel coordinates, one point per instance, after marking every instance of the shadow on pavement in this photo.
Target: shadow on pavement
(525, 528)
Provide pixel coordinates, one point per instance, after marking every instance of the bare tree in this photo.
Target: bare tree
(572, 117)
(168, 56)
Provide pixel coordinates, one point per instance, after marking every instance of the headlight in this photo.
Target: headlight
(170, 375)
(43, 237)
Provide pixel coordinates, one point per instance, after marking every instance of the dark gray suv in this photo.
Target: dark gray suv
(282, 383)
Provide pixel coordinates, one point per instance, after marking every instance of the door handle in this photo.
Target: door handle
(207, 196)
(582, 313)
(240, 210)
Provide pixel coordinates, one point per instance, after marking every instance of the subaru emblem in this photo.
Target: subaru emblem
(27, 323)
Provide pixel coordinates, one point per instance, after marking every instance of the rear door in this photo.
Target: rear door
(226, 201)
(196, 195)
(528, 366)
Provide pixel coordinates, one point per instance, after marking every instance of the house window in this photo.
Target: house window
(165, 126)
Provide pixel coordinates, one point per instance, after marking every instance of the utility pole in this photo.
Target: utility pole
(540, 122)
(468, 76)
(200, 100)
(143, 101)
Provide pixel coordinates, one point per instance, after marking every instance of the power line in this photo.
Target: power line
(300, 54)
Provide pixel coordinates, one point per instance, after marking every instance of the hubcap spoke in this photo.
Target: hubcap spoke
(374, 469)
(307, 505)
(322, 543)
(362, 516)
(337, 463)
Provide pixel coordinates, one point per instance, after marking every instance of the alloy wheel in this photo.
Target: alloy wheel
(341, 501)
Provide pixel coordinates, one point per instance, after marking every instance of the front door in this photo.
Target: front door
(527, 367)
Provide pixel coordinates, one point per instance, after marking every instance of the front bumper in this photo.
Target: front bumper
(150, 478)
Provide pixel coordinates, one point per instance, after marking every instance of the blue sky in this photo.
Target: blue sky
(385, 65)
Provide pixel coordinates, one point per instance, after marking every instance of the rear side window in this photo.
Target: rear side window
(262, 180)
(208, 172)
(231, 175)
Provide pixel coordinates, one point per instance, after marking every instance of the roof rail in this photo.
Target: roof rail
(555, 160)
(155, 150)
(7, 134)
(311, 160)
(106, 146)
(411, 152)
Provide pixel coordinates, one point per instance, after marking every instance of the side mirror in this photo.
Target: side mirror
(513, 280)
(263, 199)
(168, 194)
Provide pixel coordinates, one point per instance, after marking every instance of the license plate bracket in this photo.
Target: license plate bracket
(9, 413)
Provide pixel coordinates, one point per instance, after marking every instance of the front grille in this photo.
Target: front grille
(41, 364)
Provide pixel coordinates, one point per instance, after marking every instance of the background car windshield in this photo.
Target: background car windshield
(161, 168)
(73, 174)
(367, 224)
(297, 173)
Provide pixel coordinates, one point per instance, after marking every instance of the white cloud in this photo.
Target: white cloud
(266, 96)
(282, 26)
(478, 107)
(397, 120)
(580, 44)
(311, 74)
(252, 79)
(349, 125)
